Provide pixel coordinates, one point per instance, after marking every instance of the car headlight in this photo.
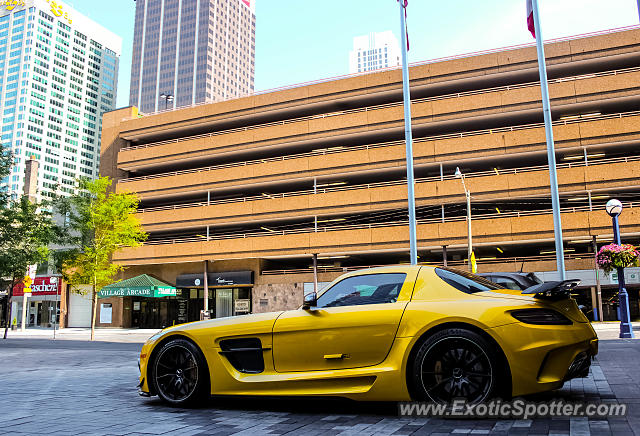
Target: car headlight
(540, 317)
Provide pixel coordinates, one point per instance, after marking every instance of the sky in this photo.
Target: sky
(306, 40)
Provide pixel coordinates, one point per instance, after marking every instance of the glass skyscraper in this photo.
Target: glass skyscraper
(195, 51)
(374, 51)
(58, 75)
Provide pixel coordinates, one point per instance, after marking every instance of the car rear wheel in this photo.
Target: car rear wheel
(455, 364)
(180, 374)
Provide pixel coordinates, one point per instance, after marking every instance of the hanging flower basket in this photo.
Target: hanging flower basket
(613, 256)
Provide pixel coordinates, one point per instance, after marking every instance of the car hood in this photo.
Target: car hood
(233, 320)
(220, 328)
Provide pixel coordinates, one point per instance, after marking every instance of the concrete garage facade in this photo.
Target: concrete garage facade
(265, 182)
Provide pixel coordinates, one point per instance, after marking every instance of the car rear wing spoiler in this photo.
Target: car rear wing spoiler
(557, 289)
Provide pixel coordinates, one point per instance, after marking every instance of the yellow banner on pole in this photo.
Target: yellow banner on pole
(474, 264)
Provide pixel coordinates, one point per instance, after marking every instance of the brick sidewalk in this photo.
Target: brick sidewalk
(83, 334)
(75, 387)
(611, 329)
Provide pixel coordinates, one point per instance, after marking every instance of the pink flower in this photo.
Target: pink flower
(613, 256)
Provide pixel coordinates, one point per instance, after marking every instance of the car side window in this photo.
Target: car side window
(465, 282)
(365, 289)
(507, 283)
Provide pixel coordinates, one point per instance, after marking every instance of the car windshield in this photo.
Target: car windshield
(466, 282)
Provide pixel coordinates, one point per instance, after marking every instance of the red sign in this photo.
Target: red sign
(247, 2)
(49, 285)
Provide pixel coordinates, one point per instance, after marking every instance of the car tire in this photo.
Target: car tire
(179, 373)
(456, 364)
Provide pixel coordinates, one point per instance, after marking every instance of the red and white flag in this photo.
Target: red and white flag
(530, 25)
(406, 31)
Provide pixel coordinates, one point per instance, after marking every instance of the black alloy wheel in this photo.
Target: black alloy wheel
(456, 364)
(180, 374)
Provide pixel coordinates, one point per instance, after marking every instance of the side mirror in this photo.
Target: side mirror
(310, 300)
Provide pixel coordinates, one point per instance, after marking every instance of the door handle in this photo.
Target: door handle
(336, 356)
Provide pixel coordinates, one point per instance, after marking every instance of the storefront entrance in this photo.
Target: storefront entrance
(153, 313)
(229, 293)
(149, 313)
(43, 305)
(39, 313)
(223, 302)
(150, 302)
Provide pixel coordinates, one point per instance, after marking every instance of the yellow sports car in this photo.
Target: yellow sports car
(392, 333)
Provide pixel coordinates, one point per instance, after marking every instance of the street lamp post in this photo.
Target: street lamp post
(460, 176)
(168, 98)
(614, 209)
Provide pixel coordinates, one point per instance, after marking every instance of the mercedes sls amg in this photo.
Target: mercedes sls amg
(386, 334)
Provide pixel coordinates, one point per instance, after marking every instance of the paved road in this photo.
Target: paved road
(77, 387)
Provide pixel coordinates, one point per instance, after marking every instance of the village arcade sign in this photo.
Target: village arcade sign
(138, 292)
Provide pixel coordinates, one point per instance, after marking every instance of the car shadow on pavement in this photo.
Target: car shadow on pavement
(333, 405)
(307, 405)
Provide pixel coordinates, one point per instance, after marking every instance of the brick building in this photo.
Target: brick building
(259, 184)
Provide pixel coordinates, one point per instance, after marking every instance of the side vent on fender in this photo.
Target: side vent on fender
(244, 354)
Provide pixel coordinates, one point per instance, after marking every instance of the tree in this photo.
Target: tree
(6, 160)
(98, 222)
(5, 170)
(26, 230)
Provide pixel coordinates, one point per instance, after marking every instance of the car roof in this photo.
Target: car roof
(505, 274)
(383, 269)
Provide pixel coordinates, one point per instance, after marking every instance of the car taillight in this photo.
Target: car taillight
(540, 317)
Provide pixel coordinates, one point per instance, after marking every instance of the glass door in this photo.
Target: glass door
(224, 302)
(34, 313)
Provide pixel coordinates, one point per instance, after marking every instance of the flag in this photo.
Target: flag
(406, 31)
(474, 264)
(29, 278)
(530, 25)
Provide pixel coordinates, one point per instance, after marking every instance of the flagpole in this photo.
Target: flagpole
(413, 250)
(551, 154)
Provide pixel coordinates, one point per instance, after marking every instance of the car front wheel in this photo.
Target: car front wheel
(455, 364)
(180, 374)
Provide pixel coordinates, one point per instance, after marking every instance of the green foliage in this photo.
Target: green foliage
(6, 160)
(98, 223)
(26, 230)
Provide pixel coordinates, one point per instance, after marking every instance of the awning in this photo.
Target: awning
(139, 286)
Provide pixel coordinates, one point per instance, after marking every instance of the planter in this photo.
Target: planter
(614, 256)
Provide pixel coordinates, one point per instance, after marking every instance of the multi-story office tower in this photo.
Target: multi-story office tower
(192, 51)
(374, 51)
(58, 75)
